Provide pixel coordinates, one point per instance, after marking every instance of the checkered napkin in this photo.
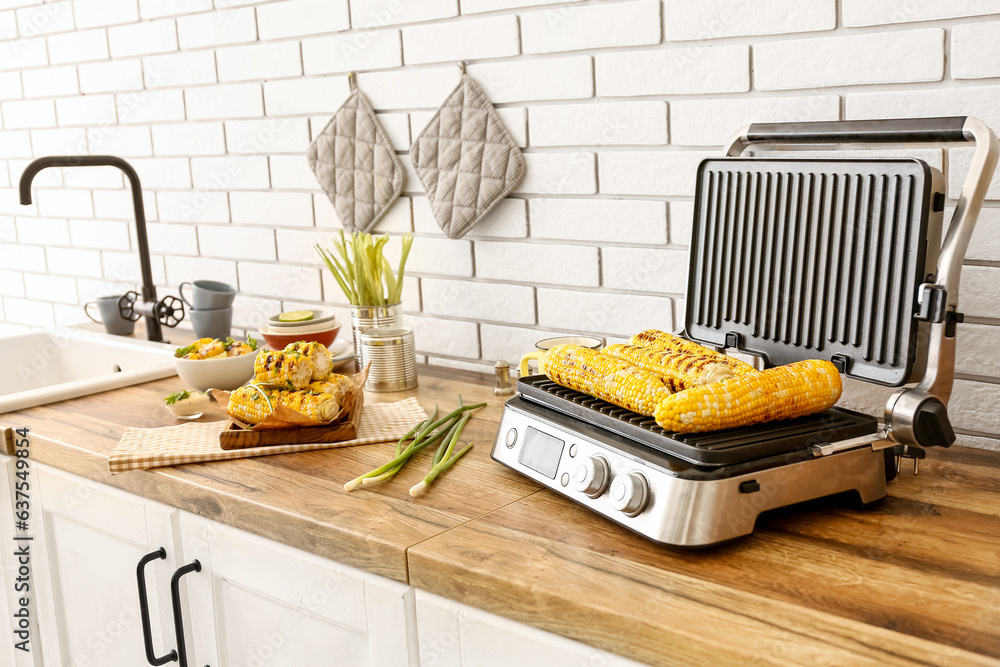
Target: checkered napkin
(142, 448)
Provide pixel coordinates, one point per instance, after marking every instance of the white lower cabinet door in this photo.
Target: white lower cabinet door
(451, 634)
(88, 542)
(257, 603)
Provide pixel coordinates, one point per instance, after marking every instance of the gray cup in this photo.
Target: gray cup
(111, 319)
(208, 295)
(216, 323)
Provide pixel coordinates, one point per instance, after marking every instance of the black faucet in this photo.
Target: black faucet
(154, 311)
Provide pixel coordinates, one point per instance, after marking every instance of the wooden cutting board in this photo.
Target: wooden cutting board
(234, 437)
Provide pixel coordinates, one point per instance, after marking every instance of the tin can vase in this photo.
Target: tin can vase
(392, 355)
(367, 317)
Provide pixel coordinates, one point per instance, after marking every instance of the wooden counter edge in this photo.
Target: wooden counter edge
(608, 600)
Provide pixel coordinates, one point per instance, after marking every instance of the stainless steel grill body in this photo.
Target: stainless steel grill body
(790, 259)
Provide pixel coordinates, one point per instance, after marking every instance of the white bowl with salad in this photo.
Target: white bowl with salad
(212, 363)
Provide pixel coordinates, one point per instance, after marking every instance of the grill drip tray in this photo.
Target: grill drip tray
(718, 448)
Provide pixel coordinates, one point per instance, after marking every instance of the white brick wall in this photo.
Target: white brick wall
(802, 63)
(710, 19)
(492, 37)
(615, 103)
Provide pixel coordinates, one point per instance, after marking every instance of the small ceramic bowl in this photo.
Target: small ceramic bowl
(191, 407)
(226, 373)
(279, 339)
(303, 327)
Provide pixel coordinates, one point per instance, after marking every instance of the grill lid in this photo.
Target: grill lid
(807, 259)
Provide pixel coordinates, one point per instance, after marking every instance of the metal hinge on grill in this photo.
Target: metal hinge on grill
(734, 348)
(932, 300)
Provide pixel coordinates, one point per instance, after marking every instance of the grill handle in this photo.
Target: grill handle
(949, 129)
(913, 416)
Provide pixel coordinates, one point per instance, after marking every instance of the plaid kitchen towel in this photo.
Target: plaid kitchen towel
(142, 448)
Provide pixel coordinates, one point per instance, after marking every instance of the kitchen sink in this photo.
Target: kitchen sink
(56, 364)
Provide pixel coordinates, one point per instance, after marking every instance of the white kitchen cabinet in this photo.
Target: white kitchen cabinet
(451, 634)
(252, 601)
(258, 602)
(89, 539)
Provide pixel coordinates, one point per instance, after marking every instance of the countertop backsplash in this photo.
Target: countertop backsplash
(613, 102)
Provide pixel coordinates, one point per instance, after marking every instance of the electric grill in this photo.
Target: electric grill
(791, 259)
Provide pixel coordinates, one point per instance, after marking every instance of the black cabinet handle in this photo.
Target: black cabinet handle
(147, 635)
(175, 598)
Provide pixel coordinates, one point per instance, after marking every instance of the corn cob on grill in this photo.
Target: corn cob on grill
(251, 404)
(287, 370)
(679, 370)
(661, 340)
(318, 355)
(605, 377)
(794, 390)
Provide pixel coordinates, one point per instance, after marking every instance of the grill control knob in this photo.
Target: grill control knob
(629, 493)
(591, 476)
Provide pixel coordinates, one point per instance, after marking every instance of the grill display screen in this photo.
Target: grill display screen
(541, 452)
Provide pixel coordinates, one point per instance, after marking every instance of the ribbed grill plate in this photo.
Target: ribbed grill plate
(810, 259)
(717, 448)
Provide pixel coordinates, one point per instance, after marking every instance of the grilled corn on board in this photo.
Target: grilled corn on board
(661, 340)
(317, 354)
(253, 403)
(784, 392)
(606, 377)
(286, 370)
(298, 378)
(678, 370)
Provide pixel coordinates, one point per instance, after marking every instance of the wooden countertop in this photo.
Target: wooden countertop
(913, 580)
(297, 499)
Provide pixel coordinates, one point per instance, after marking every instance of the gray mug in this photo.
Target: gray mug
(112, 320)
(208, 294)
(215, 323)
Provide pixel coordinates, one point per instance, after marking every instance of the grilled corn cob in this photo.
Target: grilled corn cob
(323, 387)
(344, 383)
(679, 370)
(605, 377)
(661, 340)
(285, 370)
(317, 353)
(784, 392)
(252, 403)
(319, 406)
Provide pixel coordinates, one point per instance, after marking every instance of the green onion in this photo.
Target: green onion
(437, 470)
(425, 436)
(361, 270)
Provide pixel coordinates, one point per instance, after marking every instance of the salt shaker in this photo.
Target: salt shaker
(502, 387)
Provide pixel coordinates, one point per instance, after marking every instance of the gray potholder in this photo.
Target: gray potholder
(466, 159)
(356, 165)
